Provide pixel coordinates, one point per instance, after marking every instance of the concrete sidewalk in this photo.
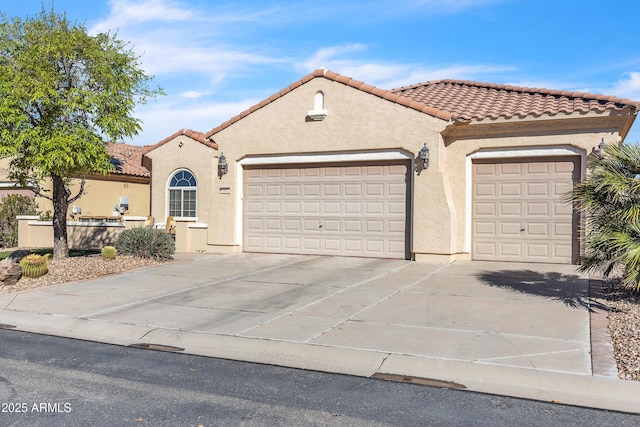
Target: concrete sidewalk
(514, 329)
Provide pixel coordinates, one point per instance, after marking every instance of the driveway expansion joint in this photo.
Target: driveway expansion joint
(382, 328)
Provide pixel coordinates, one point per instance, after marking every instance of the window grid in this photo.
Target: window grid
(183, 195)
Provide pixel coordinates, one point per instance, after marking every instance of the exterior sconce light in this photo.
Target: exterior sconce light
(600, 149)
(223, 167)
(422, 160)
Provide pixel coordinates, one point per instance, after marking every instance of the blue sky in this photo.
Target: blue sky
(216, 58)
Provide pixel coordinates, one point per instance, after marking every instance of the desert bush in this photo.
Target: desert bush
(11, 206)
(146, 242)
(34, 265)
(109, 252)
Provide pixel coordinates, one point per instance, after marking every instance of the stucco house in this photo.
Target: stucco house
(129, 180)
(438, 171)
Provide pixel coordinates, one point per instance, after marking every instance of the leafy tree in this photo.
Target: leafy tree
(63, 94)
(609, 198)
(11, 206)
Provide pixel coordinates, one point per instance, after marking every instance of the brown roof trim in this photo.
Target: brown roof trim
(321, 72)
(195, 135)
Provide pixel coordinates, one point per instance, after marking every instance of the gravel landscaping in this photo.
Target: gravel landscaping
(80, 268)
(624, 306)
(624, 327)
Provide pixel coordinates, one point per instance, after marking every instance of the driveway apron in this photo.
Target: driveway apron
(521, 315)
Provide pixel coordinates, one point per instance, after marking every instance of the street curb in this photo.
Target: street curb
(556, 387)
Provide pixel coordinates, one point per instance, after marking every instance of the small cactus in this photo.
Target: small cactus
(109, 252)
(34, 265)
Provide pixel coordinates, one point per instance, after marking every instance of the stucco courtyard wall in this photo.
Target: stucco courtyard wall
(33, 233)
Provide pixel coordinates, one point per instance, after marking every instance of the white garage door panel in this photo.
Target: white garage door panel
(519, 213)
(355, 210)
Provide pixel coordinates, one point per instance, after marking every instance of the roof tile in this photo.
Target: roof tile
(467, 100)
(130, 159)
(195, 135)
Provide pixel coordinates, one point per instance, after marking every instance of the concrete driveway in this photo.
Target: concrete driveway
(477, 325)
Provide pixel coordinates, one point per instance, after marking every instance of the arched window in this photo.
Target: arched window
(183, 192)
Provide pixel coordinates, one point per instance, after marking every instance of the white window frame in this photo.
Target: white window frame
(168, 192)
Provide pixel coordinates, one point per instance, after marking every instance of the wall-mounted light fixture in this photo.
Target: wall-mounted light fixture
(599, 151)
(223, 167)
(122, 207)
(422, 159)
(75, 210)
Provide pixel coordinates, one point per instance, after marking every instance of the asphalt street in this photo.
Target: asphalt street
(60, 382)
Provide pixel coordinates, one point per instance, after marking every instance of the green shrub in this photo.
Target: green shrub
(109, 252)
(146, 242)
(11, 206)
(34, 265)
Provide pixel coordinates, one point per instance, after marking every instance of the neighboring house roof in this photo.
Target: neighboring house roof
(467, 100)
(127, 159)
(195, 135)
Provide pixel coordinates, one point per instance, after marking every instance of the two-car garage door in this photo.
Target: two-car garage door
(519, 211)
(348, 209)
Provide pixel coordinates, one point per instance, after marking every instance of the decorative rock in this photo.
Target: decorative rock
(10, 271)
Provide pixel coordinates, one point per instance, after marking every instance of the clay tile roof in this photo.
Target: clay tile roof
(463, 100)
(127, 159)
(322, 73)
(196, 136)
(467, 100)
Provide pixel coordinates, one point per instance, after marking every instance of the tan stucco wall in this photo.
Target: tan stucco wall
(33, 233)
(357, 122)
(182, 153)
(521, 142)
(100, 194)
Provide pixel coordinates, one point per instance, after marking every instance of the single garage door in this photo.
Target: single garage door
(347, 210)
(519, 213)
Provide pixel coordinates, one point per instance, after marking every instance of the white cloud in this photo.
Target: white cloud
(327, 55)
(389, 75)
(128, 12)
(421, 73)
(628, 86)
(193, 94)
(173, 37)
(162, 119)
(197, 49)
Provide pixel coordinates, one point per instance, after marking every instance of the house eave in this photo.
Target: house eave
(612, 121)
